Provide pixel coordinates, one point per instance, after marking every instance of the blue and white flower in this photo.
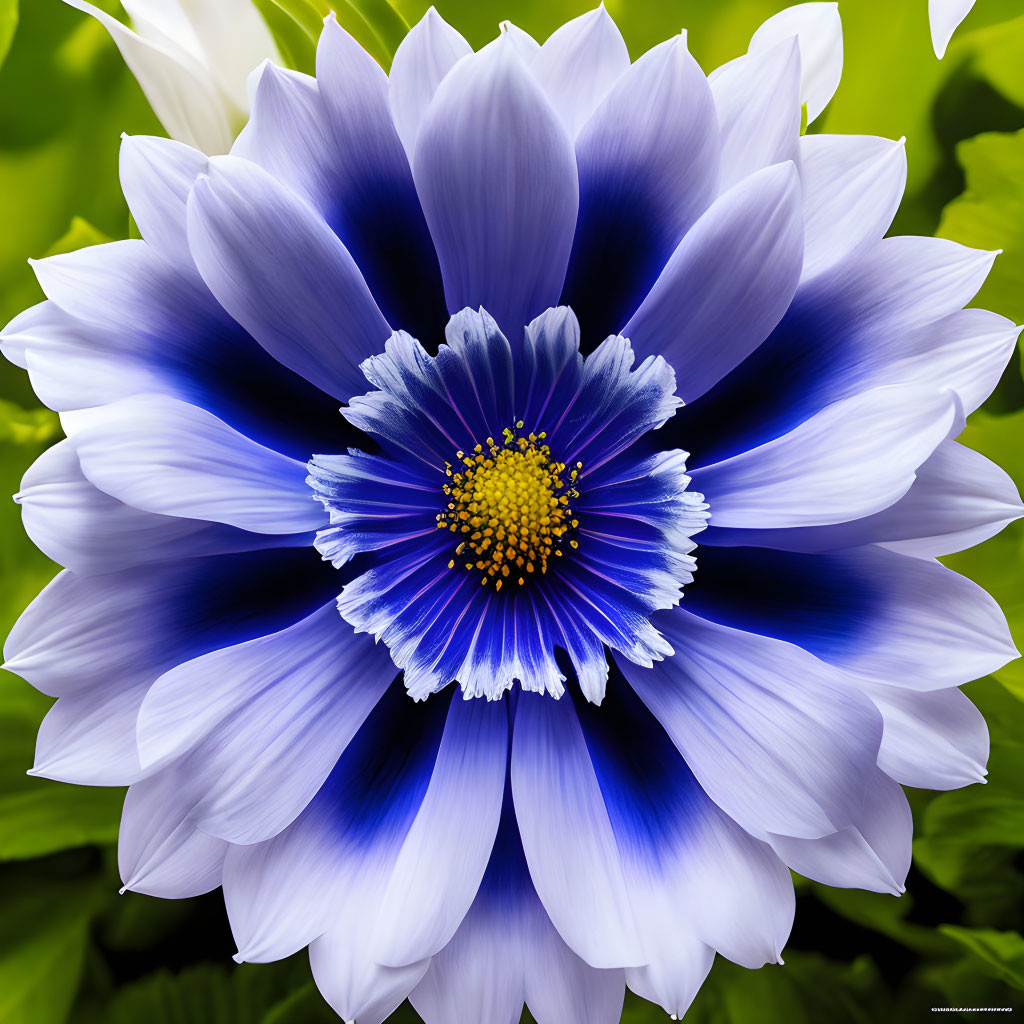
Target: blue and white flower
(617, 690)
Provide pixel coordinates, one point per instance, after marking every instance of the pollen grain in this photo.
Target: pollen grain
(509, 504)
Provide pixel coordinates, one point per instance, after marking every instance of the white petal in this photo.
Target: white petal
(430, 50)
(233, 38)
(160, 852)
(944, 17)
(758, 101)
(578, 65)
(855, 457)
(265, 721)
(935, 740)
(872, 854)
(852, 186)
(180, 89)
(820, 31)
(780, 741)
(164, 456)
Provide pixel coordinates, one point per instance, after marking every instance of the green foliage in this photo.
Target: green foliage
(990, 214)
(296, 26)
(1000, 953)
(8, 23)
(43, 935)
(73, 951)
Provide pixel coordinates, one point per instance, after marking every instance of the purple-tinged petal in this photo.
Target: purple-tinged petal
(279, 270)
(523, 44)
(852, 186)
(507, 953)
(160, 852)
(845, 331)
(83, 528)
(89, 738)
(934, 740)
(873, 853)
(370, 200)
(782, 742)
(854, 458)
(496, 175)
(163, 333)
(373, 503)
(330, 867)
(71, 362)
(444, 854)
(156, 177)
(161, 455)
(423, 58)
(287, 132)
(958, 499)
(757, 97)
(819, 30)
(578, 65)
(325, 879)
(648, 168)
(965, 352)
(677, 849)
(567, 835)
(875, 614)
(136, 624)
(263, 723)
(728, 283)
(676, 978)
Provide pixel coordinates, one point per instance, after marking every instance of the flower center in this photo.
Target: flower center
(510, 503)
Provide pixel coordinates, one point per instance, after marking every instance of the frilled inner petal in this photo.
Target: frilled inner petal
(508, 515)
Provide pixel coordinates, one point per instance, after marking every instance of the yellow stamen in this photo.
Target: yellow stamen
(510, 506)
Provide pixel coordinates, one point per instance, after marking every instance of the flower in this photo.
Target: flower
(532, 278)
(192, 60)
(944, 16)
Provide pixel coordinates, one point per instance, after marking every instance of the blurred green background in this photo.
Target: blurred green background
(71, 949)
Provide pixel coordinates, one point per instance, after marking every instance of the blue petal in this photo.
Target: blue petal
(840, 334)
(648, 166)
(373, 503)
(823, 603)
(138, 623)
(496, 174)
(124, 311)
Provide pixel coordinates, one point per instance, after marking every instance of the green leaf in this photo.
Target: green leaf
(43, 934)
(1001, 953)
(39, 816)
(807, 990)
(296, 27)
(990, 215)
(79, 234)
(8, 25)
(215, 994)
(997, 53)
(970, 838)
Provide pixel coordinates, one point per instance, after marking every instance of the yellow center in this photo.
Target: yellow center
(510, 504)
